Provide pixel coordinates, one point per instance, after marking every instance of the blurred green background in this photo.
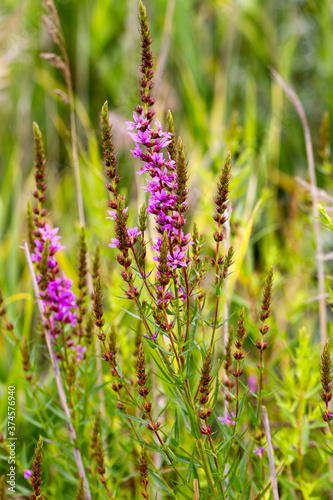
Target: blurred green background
(212, 61)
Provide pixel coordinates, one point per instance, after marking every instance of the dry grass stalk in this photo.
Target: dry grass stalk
(270, 453)
(196, 489)
(314, 196)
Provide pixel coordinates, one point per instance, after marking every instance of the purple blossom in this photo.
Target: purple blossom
(113, 214)
(114, 243)
(27, 474)
(260, 452)
(167, 296)
(157, 247)
(46, 233)
(151, 338)
(177, 259)
(140, 121)
(137, 152)
(141, 137)
(58, 298)
(133, 233)
(80, 352)
(227, 420)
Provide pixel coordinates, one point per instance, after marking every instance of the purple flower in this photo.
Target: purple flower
(139, 122)
(177, 260)
(157, 247)
(46, 233)
(227, 420)
(133, 233)
(27, 474)
(151, 338)
(114, 243)
(80, 352)
(163, 296)
(260, 452)
(60, 299)
(113, 214)
(136, 152)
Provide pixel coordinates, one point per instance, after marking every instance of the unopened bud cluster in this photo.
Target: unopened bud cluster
(265, 311)
(143, 390)
(144, 472)
(36, 477)
(109, 342)
(204, 389)
(240, 337)
(326, 380)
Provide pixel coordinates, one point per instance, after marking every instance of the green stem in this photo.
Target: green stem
(143, 276)
(187, 307)
(205, 464)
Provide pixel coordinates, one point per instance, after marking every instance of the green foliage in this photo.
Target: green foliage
(325, 218)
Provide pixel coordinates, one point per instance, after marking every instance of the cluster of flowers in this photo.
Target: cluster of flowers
(167, 200)
(57, 296)
(132, 232)
(164, 201)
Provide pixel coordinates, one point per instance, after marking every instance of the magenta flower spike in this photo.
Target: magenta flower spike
(166, 184)
(57, 296)
(58, 299)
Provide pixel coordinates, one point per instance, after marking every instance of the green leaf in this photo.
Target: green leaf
(167, 442)
(253, 416)
(130, 313)
(177, 430)
(190, 467)
(193, 421)
(161, 483)
(131, 417)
